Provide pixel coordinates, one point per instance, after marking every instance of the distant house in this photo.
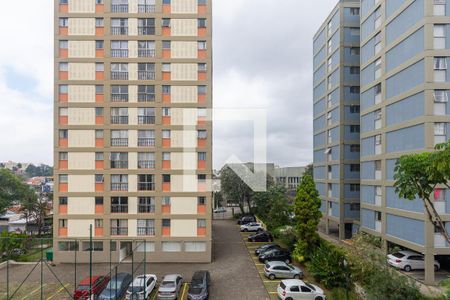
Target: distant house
(289, 177)
(9, 216)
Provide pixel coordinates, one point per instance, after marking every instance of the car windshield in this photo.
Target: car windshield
(197, 282)
(291, 267)
(168, 284)
(310, 286)
(282, 285)
(83, 288)
(135, 289)
(398, 255)
(113, 284)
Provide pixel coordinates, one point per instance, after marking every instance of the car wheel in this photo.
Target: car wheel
(407, 268)
(318, 298)
(296, 276)
(272, 277)
(245, 230)
(287, 261)
(436, 268)
(289, 298)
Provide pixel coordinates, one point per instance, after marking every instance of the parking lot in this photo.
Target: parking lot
(233, 273)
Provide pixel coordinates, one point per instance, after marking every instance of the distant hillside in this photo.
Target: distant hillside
(27, 169)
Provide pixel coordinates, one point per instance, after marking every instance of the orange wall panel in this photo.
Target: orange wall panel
(166, 98)
(63, 98)
(99, 187)
(201, 121)
(63, 31)
(166, 120)
(64, 8)
(166, 76)
(201, 98)
(166, 31)
(166, 186)
(201, 164)
(165, 209)
(63, 75)
(166, 53)
(99, 143)
(99, 209)
(166, 143)
(98, 231)
(99, 31)
(63, 120)
(202, 54)
(166, 231)
(201, 143)
(63, 143)
(201, 209)
(99, 120)
(202, 9)
(62, 232)
(99, 98)
(202, 76)
(63, 53)
(201, 187)
(63, 164)
(99, 8)
(201, 231)
(99, 75)
(100, 53)
(99, 165)
(166, 164)
(62, 209)
(63, 187)
(167, 9)
(202, 32)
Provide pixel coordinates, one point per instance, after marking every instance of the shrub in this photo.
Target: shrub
(286, 235)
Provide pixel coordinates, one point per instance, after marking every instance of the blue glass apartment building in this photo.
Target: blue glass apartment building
(337, 118)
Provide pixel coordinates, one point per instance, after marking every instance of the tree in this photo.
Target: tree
(10, 241)
(218, 199)
(234, 188)
(419, 175)
(12, 189)
(309, 170)
(308, 215)
(35, 209)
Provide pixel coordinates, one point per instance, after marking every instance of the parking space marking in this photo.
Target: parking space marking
(58, 291)
(184, 290)
(34, 291)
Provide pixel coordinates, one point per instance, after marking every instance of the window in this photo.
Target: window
(146, 227)
(165, 67)
(99, 111)
(354, 70)
(378, 139)
(166, 201)
(202, 89)
(378, 216)
(166, 45)
(354, 109)
(119, 227)
(98, 200)
(440, 63)
(119, 204)
(194, 246)
(62, 200)
(146, 182)
(99, 178)
(166, 112)
(63, 155)
(166, 156)
(166, 178)
(63, 1)
(166, 134)
(440, 96)
(354, 128)
(62, 223)
(201, 200)
(68, 246)
(202, 156)
(355, 148)
(63, 134)
(354, 187)
(99, 44)
(439, 34)
(166, 89)
(63, 89)
(119, 160)
(354, 90)
(63, 112)
(202, 2)
(354, 51)
(201, 178)
(201, 223)
(171, 246)
(146, 93)
(99, 67)
(119, 182)
(96, 246)
(146, 138)
(165, 22)
(378, 68)
(354, 168)
(146, 205)
(202, 67)
(165, 222)
(63, 67)
(354, 31)
(378, 165)
(63, 178)
(99, 22)
(440, 129)
(63, 22)
(99, 134)
(377, 43)
(146, 160)
(202, 45)
(202, 134)
(146, 26)
(354, 11)
(377, 20)
(63, 44)
(98, 223)
(439, 7)
(201, 23)
(99, 89)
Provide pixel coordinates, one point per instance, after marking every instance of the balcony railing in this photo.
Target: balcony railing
(119, 119)
(119, 164)
(146, 164)
(147, 30)
(146, 231)
(146, 209)
(119, 97)
(119, 208)
(146, 142)
(119, 230)
(146, 52)
(119, 142)
(119, 186)
(119, 75)
(145, 97)
(146, 186)
(146, 120)
(119, 30)
(119, 52)
(119, 8)
(146, 75)
(143, 8)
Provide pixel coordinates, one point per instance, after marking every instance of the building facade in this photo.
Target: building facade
(336, 117)
(289, 177)
(405, 48)
(133, 137)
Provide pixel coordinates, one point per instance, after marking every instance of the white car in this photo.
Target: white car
(220, 210)
(142, 287)
(409, 260)
(296, 289)
(252, 227)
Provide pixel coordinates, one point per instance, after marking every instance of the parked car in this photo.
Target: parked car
(83, 290)
(409, 260)
(199, 287)
(252, 227)
(220, 210)
(263, 236)
(246, 219)
(264, 248)
(170, 287)
(276, 254)
(141, 287)
(280, 269)
(296, 289)
(117, 287)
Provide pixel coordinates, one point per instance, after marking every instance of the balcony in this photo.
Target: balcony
(119, 97)
(119, 52)
(146, 186)
(119, 208)
(146, 142)
(147, 30)
(119, 75)
(119, 30)
(119, 186)
(119, 164)
(146, 120)
(119, 8)
(146, 52)
(143, 8)
(145, 231)
(119, 119)
(119, 230)
(146, 164)
(146, 97)
(146, 75)
(119, 142)
(145, 209)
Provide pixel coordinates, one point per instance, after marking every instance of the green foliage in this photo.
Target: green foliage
(342, 293)
(308, 215)
(286, 236)
(233, 188)
(328, 265)
(12, 189)
(309, 170)
(10, 241)
(273, 207)
(40, 170)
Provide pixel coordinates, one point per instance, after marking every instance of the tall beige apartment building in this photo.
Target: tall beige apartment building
(133, 136)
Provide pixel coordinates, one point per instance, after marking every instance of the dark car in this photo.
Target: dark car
(246, 219)
(264, 248)
(199, 287)
(117, 287)
(276, 254)
(96, 284)
(261, 237)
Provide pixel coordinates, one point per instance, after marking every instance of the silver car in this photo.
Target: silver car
(280, 269)
(170, 287)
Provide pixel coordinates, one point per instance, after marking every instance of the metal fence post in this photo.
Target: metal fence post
(75, 265)
(7, 279)
(42, 270)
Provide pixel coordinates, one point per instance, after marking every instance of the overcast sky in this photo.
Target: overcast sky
(262, 59)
